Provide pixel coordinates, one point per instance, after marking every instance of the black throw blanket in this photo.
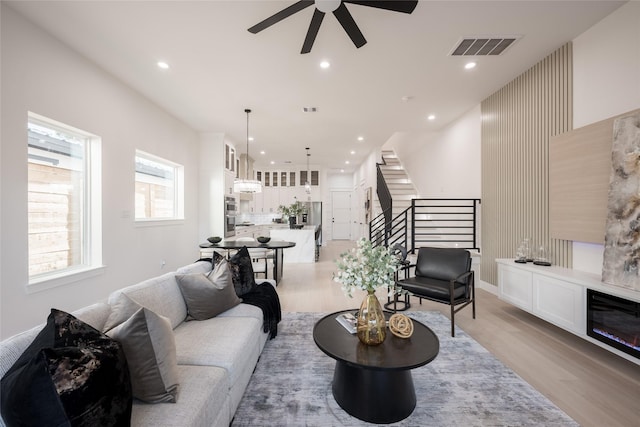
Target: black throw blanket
(266, 298)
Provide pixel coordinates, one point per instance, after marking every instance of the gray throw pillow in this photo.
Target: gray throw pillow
(206, 297)
(122, 308)
(149, 346)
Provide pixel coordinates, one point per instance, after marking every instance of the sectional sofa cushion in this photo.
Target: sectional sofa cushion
(203, 402)
(149, 345)
(231, 343)
(70, 374)
(207, 297)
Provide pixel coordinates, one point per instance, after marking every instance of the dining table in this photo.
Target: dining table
(276, 245)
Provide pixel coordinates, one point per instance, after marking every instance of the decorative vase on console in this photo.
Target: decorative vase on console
(367, 268)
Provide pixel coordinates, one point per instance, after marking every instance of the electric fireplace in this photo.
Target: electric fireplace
(614, 321)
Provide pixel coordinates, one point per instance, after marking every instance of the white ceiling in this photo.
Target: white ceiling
(218, 68)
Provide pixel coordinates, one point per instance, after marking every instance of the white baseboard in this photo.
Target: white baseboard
(486, 286)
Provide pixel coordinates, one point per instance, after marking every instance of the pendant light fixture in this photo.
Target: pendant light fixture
(307, 183)
(247, 185)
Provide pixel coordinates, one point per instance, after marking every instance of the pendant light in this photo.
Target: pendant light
(247, 185)
(307, 184)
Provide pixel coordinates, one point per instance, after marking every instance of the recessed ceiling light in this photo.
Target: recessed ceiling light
(250, 138)
(272, 162)
(353, 151)
(163, 65)
(360, 138)
(342, 170)
(470, 65)
(325, 64)
(262, 152)
(431, 117)
(406, 98)
(347, 162)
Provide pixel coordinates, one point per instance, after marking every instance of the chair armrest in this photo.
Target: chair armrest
(462, 276)
(405, 266)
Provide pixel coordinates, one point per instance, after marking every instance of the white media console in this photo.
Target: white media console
(557, 295)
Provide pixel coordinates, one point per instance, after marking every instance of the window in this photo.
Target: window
(283, 179)
(292, 179)
(159, 188)
(64, 209)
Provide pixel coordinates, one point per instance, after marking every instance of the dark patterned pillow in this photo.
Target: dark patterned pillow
(242, 272)
(71, 374)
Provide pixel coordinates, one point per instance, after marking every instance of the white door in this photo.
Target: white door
(341, 215)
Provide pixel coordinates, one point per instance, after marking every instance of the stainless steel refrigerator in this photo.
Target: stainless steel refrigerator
(313, 216)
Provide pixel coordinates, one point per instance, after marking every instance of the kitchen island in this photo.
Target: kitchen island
(305, 240)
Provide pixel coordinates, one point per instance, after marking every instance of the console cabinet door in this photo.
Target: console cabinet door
(559, 302)
(515, 286)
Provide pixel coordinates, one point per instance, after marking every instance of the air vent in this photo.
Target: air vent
(483, 46)
(310, 109)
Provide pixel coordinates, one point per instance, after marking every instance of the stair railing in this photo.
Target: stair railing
(384, 195)
(445, 222)
(433, 222)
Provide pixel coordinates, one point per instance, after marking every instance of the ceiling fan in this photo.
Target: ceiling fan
(341, 13)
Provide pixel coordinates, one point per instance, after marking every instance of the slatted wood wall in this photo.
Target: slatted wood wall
(517, 122)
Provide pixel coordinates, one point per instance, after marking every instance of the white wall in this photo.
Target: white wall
(40, 74)
(606, 82)
(445, 163)
(211, 186)
(364, 177)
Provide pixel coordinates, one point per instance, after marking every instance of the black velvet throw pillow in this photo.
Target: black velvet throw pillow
(242, 272)
(70, 375)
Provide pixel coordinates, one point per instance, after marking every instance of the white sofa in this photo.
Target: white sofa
(216, 357)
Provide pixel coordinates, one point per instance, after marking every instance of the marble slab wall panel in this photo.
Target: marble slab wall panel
(621, 265)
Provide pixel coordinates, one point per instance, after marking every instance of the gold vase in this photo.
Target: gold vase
(372, 325)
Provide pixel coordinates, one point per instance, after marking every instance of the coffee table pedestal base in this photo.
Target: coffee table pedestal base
(373, 395)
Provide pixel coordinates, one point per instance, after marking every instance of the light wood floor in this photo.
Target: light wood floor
(594, 387)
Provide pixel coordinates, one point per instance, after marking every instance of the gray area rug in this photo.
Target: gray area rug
(464, 385)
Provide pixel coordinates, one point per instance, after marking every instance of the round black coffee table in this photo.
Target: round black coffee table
(374, 383)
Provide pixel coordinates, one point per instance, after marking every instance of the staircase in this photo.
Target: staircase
(400, 186)
(401, 191)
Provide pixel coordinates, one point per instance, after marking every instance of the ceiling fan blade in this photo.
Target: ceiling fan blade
(396, 6)
(346, 20)
(284, 13)
(314, 27)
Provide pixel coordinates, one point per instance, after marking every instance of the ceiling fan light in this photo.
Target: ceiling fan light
(327, 6)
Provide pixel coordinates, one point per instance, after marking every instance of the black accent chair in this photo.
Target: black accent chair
(443, 275)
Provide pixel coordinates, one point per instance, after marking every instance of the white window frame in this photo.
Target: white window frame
(91, 264)
(178, 196)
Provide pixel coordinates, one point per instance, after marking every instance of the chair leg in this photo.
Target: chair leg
(453, 313)
(473, 302)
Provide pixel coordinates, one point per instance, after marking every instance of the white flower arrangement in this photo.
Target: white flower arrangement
(366, 268)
